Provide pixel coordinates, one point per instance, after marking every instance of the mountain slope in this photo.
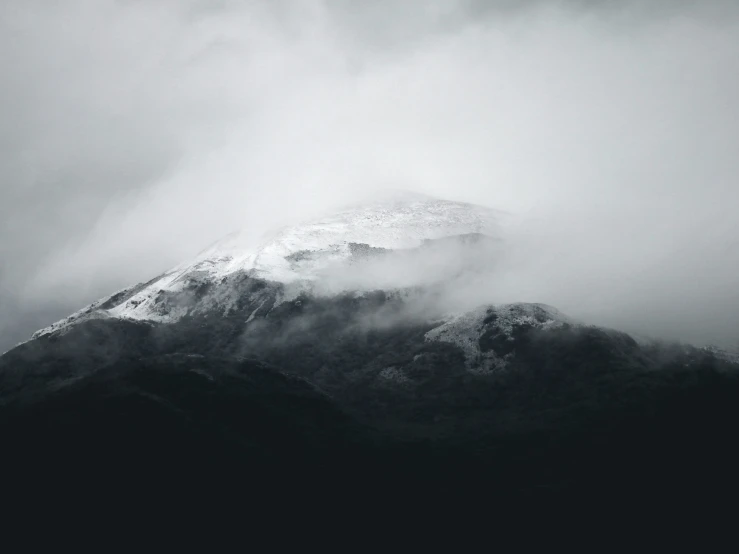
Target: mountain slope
(314, 253)
(336, 354)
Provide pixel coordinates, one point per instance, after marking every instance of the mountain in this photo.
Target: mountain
(347, 355)
(399, 242)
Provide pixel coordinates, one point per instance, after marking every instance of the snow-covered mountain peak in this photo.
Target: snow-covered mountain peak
(303, 254)
(395, 222)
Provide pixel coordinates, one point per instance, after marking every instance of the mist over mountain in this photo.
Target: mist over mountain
(377, 258)
(138, 133)
(356, 344)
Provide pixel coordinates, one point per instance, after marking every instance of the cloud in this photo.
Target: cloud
(136, 133)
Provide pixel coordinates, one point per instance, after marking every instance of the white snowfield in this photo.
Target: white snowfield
(298, 255)
(394, 224)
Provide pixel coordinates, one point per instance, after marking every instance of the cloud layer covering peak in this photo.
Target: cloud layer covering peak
(136, 133)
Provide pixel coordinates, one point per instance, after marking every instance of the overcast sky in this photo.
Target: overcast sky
(136, 132)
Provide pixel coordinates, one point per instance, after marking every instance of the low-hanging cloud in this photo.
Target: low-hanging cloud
(136, 133)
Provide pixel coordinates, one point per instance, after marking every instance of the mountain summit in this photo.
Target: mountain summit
(400, 240)
(396, 223)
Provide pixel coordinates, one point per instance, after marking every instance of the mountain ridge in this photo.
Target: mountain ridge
(385, 381)
(397, 223)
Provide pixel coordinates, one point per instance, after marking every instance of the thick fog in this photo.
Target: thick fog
(136, 133)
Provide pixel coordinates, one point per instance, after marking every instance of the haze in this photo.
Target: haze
(136, 133)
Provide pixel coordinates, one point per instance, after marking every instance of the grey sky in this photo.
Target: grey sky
(134, 133)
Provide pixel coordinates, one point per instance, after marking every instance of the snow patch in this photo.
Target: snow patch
(722, 354)
(254, 313)
(465, 330)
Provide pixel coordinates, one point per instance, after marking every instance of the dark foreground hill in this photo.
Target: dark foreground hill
(183, 412)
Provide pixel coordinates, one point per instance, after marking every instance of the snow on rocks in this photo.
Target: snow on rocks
(294, 257)
(722, 354)
(465, 330)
